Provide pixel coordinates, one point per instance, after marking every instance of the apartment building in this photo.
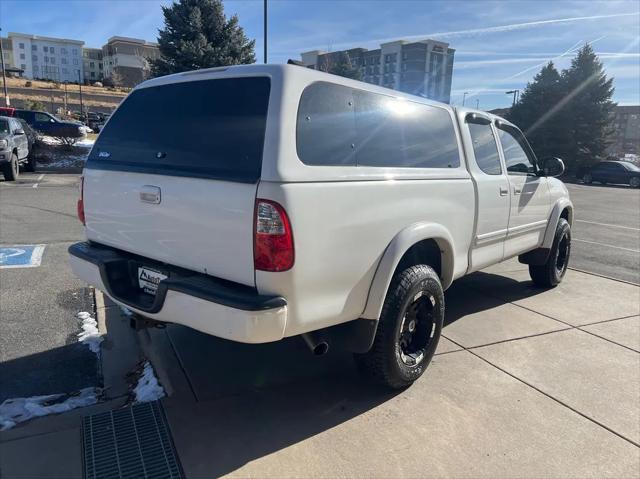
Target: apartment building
(422, 68)
(92, 64)
(126, 60)
(7, 52)
(58, 59)
(626, 135)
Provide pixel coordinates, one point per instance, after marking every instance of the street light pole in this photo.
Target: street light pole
(4, 78)
(80, 87)
(464, 97)
(516, 96)
(477, 103)
(265, 31)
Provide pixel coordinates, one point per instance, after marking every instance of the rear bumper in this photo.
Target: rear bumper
(220, 308)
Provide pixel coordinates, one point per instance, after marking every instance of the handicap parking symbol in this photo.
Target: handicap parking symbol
(21, 256)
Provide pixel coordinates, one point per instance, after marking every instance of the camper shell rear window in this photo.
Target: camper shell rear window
(208, 128)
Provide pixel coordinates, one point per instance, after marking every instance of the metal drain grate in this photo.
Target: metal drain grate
(132, 442)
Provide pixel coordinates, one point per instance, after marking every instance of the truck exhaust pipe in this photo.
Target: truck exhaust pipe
(316, 343)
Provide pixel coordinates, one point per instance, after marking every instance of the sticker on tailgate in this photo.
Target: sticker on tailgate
(149, 279)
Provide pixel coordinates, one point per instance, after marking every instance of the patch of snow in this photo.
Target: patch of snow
(14, 411)
(90, 334)
(85, 143)
(148, 387)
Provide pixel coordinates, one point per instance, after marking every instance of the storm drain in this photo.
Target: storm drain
(132, 442)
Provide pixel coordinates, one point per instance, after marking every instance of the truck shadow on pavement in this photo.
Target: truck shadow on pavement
(250, 401)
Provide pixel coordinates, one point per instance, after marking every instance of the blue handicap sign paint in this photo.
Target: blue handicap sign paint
(21, 256)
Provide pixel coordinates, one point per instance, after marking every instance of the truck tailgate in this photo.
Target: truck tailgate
(200, 224)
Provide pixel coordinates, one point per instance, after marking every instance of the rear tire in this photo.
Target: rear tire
(551, 273)
(11, 169)
(408, 330)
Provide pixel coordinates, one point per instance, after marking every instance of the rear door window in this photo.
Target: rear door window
(485, 148)
(208, 128)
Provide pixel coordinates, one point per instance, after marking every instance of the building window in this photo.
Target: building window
(63, 51)
(404, 55)
(65, 71)
(52, 50)
(93, 74)
(63, 61)
(34, 58)
(46, 59)
(75, 61)
(46, 49)
(53, 60)
(21, 46)
(92, 65)
(34, 48)
(74, 51)
(100, 66)
(22, 57)
(23, 66)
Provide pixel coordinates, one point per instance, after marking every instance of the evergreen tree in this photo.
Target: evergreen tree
(546, 135)
(342, 67)
(197, 35)
(588, 109)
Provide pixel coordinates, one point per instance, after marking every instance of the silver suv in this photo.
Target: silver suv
(14, 147)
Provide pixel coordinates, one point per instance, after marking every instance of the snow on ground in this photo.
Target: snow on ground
(90, 334)
(14, 411)
(148, 387)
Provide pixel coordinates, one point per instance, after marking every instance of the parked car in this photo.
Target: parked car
(310, 205)
(14, 148)
(613, 172)
(32, 140)
(48, 124)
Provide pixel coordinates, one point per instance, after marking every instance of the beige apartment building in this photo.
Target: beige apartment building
(126, 60)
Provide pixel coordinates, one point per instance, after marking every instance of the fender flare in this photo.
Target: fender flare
(392, 255)
(558, 207)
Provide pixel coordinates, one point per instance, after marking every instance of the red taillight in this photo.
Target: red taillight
(273, 242)
(80, 205)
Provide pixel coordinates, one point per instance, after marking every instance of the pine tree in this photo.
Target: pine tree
(345, 68)
(588, 109)
(531, 114)
(197, 35)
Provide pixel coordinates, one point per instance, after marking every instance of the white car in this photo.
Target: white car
(279, 201)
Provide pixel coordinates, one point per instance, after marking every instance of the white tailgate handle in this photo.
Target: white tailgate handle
(150, 194)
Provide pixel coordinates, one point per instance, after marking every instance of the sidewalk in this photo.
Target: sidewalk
(51, 446)
(526, 383)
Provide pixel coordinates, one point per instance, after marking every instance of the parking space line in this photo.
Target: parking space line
(608, 225)
(38, 180)
(607, 245)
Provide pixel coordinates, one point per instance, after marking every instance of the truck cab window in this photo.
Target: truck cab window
(485, 148)
(517, 160)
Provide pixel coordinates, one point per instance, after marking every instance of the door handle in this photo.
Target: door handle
(504, 191)
(516, 190)
(150, 194)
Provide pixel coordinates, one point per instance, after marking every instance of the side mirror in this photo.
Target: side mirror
(19, 131)
(51, 120)
(552, 167)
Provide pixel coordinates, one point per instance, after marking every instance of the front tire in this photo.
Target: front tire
(408, 330)
(634, 182)
(551, 273)
(11, 169)
(587, 179)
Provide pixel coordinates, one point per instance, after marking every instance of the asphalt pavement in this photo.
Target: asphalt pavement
(39, 349)
(606, 231)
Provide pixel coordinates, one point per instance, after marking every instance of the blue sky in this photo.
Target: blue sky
(499, 45)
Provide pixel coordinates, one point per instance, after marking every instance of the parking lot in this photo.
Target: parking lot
(526, 382)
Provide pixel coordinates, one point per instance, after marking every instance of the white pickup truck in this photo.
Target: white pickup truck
(260, 202)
